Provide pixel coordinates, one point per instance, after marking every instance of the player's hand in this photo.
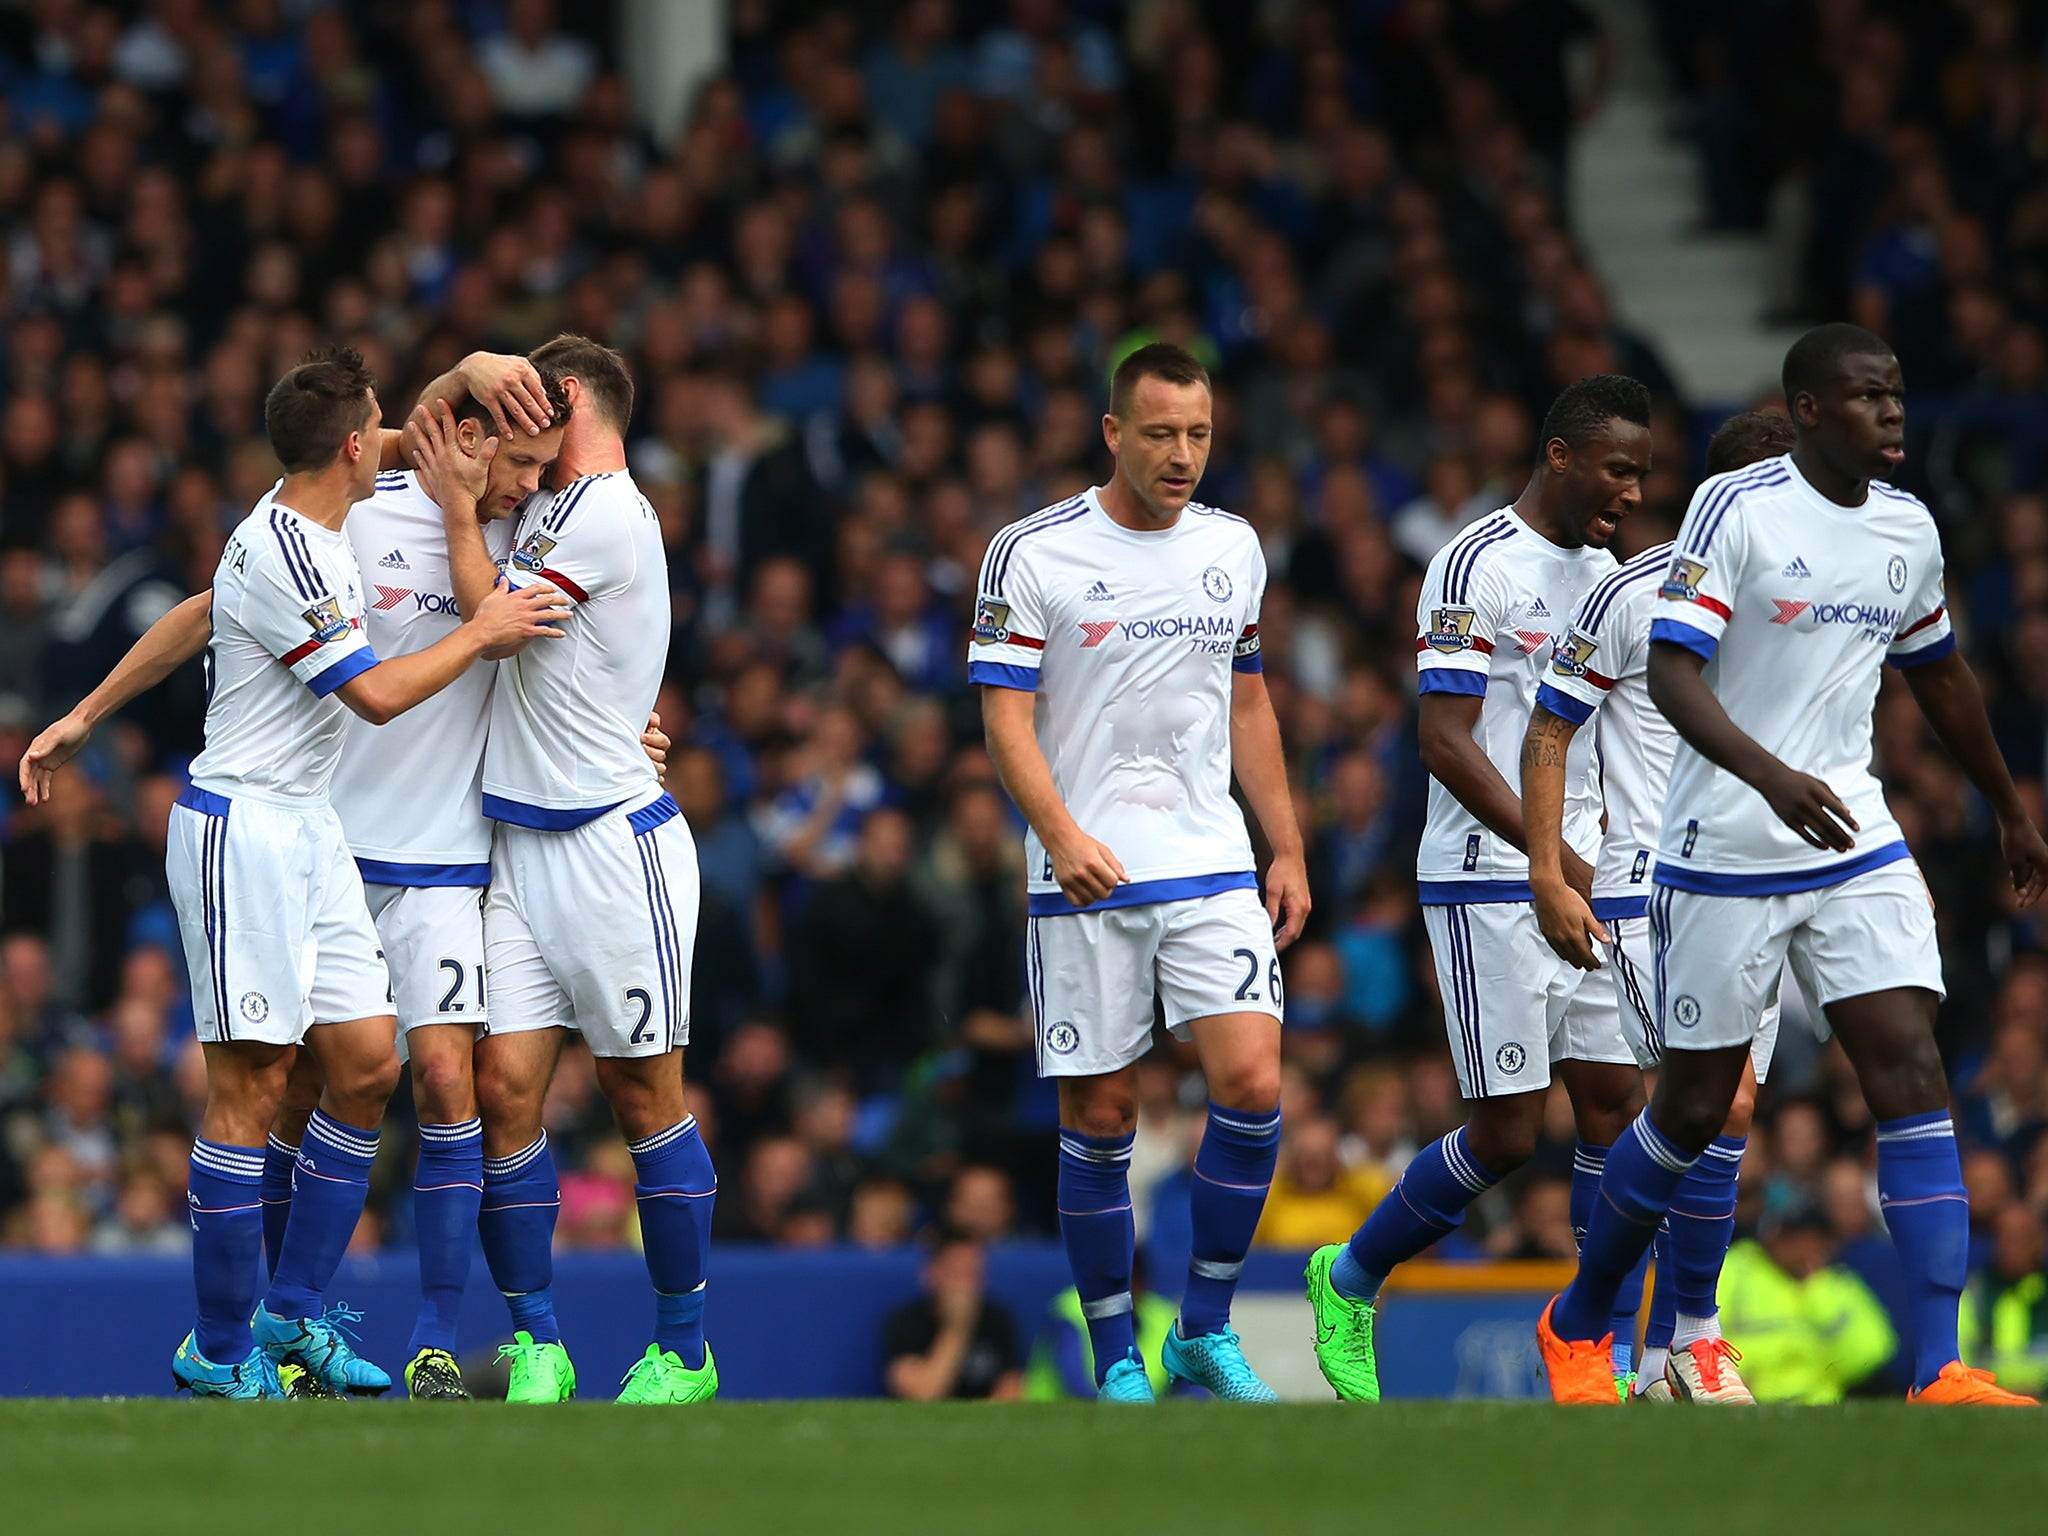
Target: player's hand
(1578, 874)
(449, 472)
(510, 388)
(655, 743)
(1810, 808)
(2026, 857)
(50, 751)
(512, 616)
(1568, 923)
(1087, 871)
(1287, 898)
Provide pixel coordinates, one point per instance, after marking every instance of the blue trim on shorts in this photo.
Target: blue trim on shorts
(541, 818)
(1471, 893)
(205, 801)
(652, 815)
(381, 872)
(1787, 882)
(1619, 909)
(1142, 893)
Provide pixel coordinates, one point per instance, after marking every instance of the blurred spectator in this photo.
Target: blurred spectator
(148, 1217)
(2005, 1308)
(953, 1341)
(1315, 1198)
(1062, 1363)
(1809, 1332)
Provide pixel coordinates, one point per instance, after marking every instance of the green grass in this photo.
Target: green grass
(827, 1468)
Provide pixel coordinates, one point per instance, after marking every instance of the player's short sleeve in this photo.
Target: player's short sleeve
(293, 614)
(1246, 657)
(1460, 611)
(1010, 622)
(1924, 633)
(581, 541)
(1698, 593)
(1594, 653)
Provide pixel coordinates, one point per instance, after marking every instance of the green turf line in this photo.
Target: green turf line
(830, 1468)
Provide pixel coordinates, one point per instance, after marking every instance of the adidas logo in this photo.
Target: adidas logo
(1099, 593)
(1797, 569)
(1538, 611)
(394, 562)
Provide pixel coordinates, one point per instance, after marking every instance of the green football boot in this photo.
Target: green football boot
(541, 1373)
(1343, 1332)
(659, 1376)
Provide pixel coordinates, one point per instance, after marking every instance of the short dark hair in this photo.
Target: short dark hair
(310, 412)
(469, 408)
(1582, 409)
(1816, 357)
(1749, 439)
(600, 370)
(1155, 360)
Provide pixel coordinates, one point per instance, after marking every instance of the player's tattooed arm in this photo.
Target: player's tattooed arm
(1086, 870)
(1261, 768)
(1454, 758)
(1803, 802)
(167, 645)
(1949, 697)
(1565, 915)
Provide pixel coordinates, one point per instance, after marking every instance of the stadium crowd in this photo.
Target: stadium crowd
(871, 296)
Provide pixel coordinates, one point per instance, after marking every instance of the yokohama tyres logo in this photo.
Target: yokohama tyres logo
(1788, 610)
(389, 597)
(1097, 632)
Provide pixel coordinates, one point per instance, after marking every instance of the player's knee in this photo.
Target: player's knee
(443, 1090)
(1109, 1112)
(1909, 1082)
(1503, 1142)
(360, 1087)
(1254, 1086)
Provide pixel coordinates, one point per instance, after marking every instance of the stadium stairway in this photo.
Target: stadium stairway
(1699, 296)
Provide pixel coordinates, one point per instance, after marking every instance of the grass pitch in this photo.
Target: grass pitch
(828, 1468)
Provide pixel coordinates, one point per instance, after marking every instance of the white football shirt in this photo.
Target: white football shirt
(567, 714)
(1796, 603)
(1493, 601)
(410, 793)
(1129, 639)
(1601, 665)
(287, 632)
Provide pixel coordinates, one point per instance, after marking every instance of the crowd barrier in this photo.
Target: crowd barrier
(784, 1322)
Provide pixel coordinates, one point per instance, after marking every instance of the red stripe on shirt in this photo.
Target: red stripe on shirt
(1598, 679)
(1479, 644)
(1714, 606)
(1026, 641)
(565, 584)
(299, 653)
(1915, 629)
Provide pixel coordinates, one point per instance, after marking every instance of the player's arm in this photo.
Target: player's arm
(1947, 692)
(167, 645)
(507, 618)
(454, 479)
(1565, 915)
(1261, 768)
(1803, 802)
(1454, 758)
(1085, 869)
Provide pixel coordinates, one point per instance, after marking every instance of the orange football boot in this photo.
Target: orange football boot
(1960, 1386)
(1580, 1372)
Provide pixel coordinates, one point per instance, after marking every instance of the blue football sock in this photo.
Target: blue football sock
(279, 1158)
(1096, 1225)
(1643, 1172)
(1427, 1202)
(516, 1221)
(1233, 1170)
(1920, 1190)
(1588, 1163)
(676, 1187)
(447, 1188)
(1663, 1321)
(328, 1191)
(1702, 1225)
(227, 1239)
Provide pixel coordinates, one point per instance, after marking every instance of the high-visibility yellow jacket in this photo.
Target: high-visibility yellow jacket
(1802, 1341)
(1044, 1382)
(2005, 1329)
